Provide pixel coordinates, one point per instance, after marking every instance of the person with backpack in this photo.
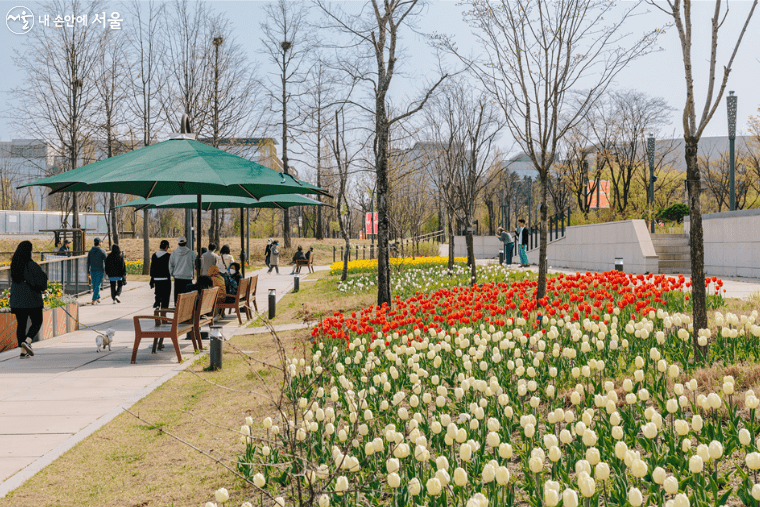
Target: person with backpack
(522, 242)
(96, 264)
(509, 244)
(28, 283)
(160, 278)
(116, 269)
(225, 259)
(268, 252)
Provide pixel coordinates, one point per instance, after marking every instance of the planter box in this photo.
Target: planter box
(55, 322)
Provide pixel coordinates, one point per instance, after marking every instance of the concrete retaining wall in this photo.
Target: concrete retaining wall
(486, 247)
(595, 248)
(732, 243)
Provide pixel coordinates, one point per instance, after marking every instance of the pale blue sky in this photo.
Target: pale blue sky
(658, 74)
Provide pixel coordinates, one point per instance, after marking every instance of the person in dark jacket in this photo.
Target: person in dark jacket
(28, 282)
(160, 279)
(522, 242)
(96, 259)
(231, 281)
(268, 252)
(298, 256)
(116, 269)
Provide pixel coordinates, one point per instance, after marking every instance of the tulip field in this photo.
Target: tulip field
(481, 396)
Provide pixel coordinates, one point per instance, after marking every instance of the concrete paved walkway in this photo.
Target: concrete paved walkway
(68, 390)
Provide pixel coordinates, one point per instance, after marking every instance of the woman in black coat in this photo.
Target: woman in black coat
(116, 270)
(28, 282)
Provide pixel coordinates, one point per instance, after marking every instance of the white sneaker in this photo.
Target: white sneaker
(27, 347)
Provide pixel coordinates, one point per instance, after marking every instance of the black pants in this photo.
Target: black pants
(22, 316)
(163, 291)
(274, 266)
(180, 287)
(116, 288)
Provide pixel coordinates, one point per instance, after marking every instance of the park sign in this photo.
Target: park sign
(369, 219)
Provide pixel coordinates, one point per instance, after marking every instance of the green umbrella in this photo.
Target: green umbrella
(180, 166)
(177, 167)
(210, 202)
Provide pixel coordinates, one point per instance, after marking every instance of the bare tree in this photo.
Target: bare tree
(375, 33)
(287, 41)
(146, 46)
(680, 12)
(59, 93)
(111, 84)
(536, 52)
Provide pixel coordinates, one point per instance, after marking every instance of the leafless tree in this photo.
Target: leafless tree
(146, 46)
(680, 12)
(465, 125)
(375, 33)
(535, 53)
(287, 41)
(59, 93)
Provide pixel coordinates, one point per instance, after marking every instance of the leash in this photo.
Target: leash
(81, 323)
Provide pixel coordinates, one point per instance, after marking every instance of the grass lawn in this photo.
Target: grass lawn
(130, 463)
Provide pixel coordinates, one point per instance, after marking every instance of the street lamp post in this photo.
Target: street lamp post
(650, 153)
(731, 106)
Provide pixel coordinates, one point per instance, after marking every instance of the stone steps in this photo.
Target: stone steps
(673, 253)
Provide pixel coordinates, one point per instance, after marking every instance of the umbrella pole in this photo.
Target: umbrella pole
(198, 228)
(242, 241)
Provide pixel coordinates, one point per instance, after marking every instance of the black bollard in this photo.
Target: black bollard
(501, 256)
(295, 283)
(272, 303)
(618, 264)
(216, 348)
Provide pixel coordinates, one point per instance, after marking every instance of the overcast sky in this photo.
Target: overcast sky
(657, 74)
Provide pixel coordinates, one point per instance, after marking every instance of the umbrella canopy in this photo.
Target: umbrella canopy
(177, 167)
(210, 202)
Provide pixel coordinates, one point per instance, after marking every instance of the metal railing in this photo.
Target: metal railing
(556, 229)
(70, 272)
(398, 247)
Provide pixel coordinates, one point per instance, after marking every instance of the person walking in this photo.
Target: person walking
(274, 257)
(181, 267)
(509, 244)
(116, 269)
(522, 241)
(208, 259)
(225, 259)
(28, 282)
(160, 278)
(268, 252)
(96, 265)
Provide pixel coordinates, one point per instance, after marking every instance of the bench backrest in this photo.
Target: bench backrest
(185, 307)
(243, 288)
(208, 300)
(254, 281)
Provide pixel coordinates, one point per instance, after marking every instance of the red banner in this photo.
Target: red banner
(368, 222)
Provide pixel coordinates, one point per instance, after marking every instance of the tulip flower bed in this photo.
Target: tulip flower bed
(408, 281)
(370, 265)
(477, 396)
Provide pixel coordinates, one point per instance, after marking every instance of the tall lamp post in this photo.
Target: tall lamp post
(731, 106)
(650, 153)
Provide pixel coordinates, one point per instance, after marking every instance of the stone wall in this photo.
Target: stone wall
(732, 243)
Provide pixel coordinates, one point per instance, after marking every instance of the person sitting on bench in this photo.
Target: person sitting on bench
(298, 256)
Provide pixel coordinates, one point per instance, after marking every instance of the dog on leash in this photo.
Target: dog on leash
(105, 340)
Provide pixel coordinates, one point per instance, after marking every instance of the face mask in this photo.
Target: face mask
(232, 271)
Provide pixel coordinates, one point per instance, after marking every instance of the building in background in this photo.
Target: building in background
(23, 161)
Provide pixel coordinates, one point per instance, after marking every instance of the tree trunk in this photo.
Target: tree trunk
(471, 253)
(383, 226)
(146, 242)
(451, 243)
(285, 214)
(543, 237)
(696, 242)
(114, 226)
(491, 216)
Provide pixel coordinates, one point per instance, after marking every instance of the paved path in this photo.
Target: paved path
(68, 390)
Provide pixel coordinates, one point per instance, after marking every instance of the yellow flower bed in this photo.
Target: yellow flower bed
(370, 265)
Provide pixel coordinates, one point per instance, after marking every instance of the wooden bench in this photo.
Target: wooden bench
(168, 327)
(309, 263)
(204, 313)
(241, 299)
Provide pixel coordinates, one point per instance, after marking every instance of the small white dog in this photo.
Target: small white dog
(105, 340)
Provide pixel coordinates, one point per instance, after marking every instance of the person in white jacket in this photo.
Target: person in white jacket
(181, 267)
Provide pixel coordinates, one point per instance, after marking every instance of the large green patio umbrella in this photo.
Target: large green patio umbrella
(209, 202)
(180, 166)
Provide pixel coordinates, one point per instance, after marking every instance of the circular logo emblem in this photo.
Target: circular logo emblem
(19, 20)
